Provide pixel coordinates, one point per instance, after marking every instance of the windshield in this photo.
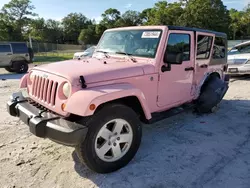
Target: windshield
(240, 50)
(142, 43)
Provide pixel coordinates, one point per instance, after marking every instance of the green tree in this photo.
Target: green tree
(14, 16)
(129, 18)
(110, 17)
(245, 21)
(45, 31)
(99, 29)
(73, 23)
(36, 29)
(207, 14)
(53, 31)
(145, 15)
(88, 35)
(236, 22)
(164, 13)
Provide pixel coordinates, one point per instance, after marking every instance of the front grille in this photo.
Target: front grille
(44, 89)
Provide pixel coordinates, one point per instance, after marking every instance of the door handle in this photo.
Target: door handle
(189, 69)
(204, 66)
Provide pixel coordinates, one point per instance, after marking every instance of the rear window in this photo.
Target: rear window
(219, 49)
(204, 44)
(4, 48)
(19, 48)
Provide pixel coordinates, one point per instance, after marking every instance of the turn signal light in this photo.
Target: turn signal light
(92, 107)
(63, 106)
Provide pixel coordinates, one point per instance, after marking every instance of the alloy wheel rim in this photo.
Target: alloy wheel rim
(113, 140)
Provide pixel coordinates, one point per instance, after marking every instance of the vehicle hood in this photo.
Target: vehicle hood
(239, 56)
(95, 70)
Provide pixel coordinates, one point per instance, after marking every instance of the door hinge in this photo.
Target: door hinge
(157, 98)
(159, 77)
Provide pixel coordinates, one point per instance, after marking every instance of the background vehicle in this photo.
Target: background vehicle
(15, 56)
(87, 53)
(148, 73)
(239, 59)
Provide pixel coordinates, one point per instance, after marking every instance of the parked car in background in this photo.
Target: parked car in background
(87, 53)
(239, 59)
(15, 56)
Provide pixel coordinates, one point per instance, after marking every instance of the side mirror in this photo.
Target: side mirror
(173, 58)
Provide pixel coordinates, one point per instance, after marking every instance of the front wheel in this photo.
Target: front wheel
(113, 139)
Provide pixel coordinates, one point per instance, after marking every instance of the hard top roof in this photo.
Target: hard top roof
(219, 34)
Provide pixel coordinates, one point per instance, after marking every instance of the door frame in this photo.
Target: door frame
(192, 60)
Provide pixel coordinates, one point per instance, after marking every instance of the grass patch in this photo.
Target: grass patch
(52, 57)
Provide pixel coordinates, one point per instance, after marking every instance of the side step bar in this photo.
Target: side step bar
(158, 116)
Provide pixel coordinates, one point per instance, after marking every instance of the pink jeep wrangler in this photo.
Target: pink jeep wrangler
(136, 74)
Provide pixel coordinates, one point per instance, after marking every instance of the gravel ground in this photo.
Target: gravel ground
(182, 151)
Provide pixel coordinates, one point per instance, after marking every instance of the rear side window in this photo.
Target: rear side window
(179, 43)
(4, 48)
(204, 44)
(19, 48)
(219, 48)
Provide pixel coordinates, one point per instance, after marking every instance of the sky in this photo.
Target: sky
(57, 9)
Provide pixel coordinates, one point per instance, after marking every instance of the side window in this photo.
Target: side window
(219, 48)
(19, 48)
(4, 48)
(204, 44)
(179, 43)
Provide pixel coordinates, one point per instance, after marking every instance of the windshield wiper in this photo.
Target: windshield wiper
(129, 55)
(105, 53)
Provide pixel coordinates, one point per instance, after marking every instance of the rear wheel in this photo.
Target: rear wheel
(113, 139)
(211, 95)
(20, 67)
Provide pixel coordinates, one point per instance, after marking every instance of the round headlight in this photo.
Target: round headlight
(66, 90)
(32, 77)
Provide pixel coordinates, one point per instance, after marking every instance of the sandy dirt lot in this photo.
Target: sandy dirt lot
(182, 151)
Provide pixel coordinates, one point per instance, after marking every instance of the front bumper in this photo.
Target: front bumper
(44, 124)
(238, 70)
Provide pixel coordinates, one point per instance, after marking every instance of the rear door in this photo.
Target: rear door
(5, 54)
(204, 43)
(20, 51)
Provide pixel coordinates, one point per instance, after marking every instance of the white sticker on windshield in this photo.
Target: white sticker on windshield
(151, 34)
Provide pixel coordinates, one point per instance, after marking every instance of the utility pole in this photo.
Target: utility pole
(30, 41)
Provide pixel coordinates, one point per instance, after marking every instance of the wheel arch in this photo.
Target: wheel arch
(131, 101)
(205, 80)
(17, 59)
(99, 96)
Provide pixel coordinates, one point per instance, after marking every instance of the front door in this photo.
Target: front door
(175, 85)
(5, 55)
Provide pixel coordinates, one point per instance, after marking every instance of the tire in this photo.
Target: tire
(89, 151)
(20, 67)
(211, 95)
(9, 69)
